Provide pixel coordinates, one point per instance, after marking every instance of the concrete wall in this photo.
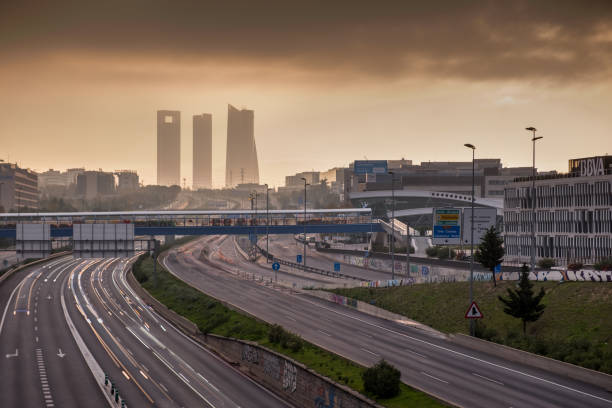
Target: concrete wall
(287, 378)
(558, 367)
(370, 310)
(419, 272)
(584, 275)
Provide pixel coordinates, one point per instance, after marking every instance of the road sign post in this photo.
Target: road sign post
(473, 312)
(275, 268)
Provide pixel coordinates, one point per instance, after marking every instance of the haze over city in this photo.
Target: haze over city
(328, 82)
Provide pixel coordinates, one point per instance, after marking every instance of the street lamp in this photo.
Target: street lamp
(471, 146)
(267, 223)
(305, 184)
(392, 243)
(533, 197)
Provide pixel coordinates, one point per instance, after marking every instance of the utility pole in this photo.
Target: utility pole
(471, 146)
(533, 198)
(268, 225)
(392, 243)
(305, 184)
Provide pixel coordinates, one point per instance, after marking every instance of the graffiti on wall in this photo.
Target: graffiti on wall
(342, 300)
(582, 275)
(271, 366)
(250, 354)
(326, 399)
(289, 377)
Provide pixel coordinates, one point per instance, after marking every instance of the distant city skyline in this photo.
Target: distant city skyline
(325, 91)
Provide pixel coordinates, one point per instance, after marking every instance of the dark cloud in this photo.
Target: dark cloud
(556, 39)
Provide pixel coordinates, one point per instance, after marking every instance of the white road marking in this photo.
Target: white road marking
(435, 378)
(488, 379)
(459, 353)
(16, 354)
(325, 333)
(371, 352)
(418, 354)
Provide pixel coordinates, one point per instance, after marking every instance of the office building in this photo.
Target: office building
(127, 181)
(202, 151)
(241, 166)
(92, 184)
(18, 188)
(168, 148)
(573, 214)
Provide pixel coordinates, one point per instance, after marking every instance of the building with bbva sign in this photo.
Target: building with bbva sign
(573, 220)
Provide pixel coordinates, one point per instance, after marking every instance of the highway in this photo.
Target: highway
(456, 374)
(53, 315)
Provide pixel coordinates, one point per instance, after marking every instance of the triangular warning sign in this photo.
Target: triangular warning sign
(473, 312)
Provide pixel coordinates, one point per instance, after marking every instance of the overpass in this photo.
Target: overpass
(202, 222)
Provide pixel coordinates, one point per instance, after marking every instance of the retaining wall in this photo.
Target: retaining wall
(289, 379)
(533, 360)
(371, 310)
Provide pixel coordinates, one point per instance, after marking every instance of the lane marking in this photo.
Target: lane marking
(435, 378)
(418, 354)
(565, 387)
(325, 333)
(371, 352)
(488, 379)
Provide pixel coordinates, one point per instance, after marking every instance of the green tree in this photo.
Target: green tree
(490, 252)
(521, 303)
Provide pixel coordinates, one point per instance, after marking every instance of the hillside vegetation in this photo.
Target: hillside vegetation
(576, 326)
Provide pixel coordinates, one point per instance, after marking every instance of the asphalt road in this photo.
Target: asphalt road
(151, 363)
(459, 375)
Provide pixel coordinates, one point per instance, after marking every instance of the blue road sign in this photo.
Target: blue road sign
(370, 167)
(497, 268)
(276, 266)
(337, 266)
(298, 259)
(447, 231)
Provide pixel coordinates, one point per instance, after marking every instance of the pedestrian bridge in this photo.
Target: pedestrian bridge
(202, 222)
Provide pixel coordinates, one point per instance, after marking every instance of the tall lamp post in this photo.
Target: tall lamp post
(267, 223)
(305, 184)
(533, 197)
(471, 146)
(392, 243)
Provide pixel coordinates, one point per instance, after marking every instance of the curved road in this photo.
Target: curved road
(152, 364)
(459, 375)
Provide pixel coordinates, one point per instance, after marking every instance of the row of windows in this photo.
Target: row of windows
(595, 221)
(560, 195)
(579, 248)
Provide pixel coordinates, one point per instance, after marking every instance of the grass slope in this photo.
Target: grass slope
(575, 327)
(211, 316)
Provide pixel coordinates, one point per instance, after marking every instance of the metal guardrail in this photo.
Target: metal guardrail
(308, 268)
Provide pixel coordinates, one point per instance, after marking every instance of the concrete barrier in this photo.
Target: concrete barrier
(10, 272)
(533, 360)
(287, 378)
(371, 310)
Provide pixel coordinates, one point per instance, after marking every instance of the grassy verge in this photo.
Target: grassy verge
(574, 328)
(211, 316)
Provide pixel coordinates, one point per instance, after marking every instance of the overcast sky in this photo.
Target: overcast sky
(330, 81)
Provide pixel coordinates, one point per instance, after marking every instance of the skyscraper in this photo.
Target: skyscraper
(241, 158)
(202, 151)
(168, 148)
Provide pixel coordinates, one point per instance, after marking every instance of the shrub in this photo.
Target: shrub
(604, 264)
(445, 253)
(546, 263)
(278, 335)
(575, 266)
(382, 380)
(431, 251)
